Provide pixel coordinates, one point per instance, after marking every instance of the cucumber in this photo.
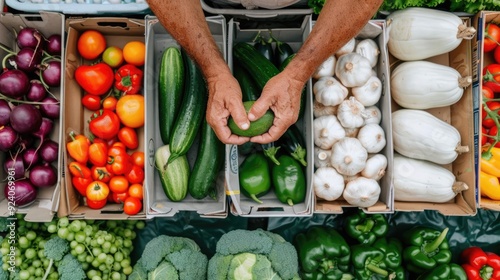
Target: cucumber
(170, 89)
(192, 110)
(174, 176)
(258, 66)
(256, 127)
(209, 162)
(249, 90)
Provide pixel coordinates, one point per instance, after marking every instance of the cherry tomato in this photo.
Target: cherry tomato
(100, 173)
(91, 102)
(113, 56)
(97, 191)
(491, 37)
(132, 205)
(487, 121)
(96, 204)
(135, 175)
(98, 154)
(109, 103)
(120, 197)
(493, 133)
(128, 136)
(119, 144)
(118, 184)
(104, 124)
(91, 44)
(134, 52)
(484, 140)
(487, 92)
(130, 110)
(135, 190)
(491, 77)
(138, 158)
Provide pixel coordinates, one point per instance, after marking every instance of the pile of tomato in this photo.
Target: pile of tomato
(491, 85)
(107, 165)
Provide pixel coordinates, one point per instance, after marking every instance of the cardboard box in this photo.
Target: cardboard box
(480, 60)
(47, 201)
(157, 40)
(88, 7)
(461, 116)
(117, 31)
(376, 30)
(271, 206)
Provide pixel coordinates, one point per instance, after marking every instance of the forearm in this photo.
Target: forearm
(338, 22)
(185, 21)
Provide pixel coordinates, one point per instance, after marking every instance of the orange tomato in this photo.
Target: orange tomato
(135, 190)
(109, 103)
(132, 206)
(130, 110)
(134, 52)
(128, 136)
(91, 44)
(118, 184)
(97, 191)
(138, 158)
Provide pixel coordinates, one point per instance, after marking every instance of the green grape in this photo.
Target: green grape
(30, 253)
(91, 273)
(82, 257)
(34, 226)
(83, 224)
(40, 254)
(108, 237)
(63, 222)
(41, 244)
(89, 258)
(127, 243)
(111, 223)
(31, 270)
(24, 266)
(140, 225)
(63, 232)
(96, 251)
(46, 262)
(88, 239)
(75, 226)
(127, 233)
(54, 276)
(103, 267)
(31, 235)
(109, 260)
(4, 251)
(80, 237)
(79, 249)
(116, 276)
(21, 222)
(73, 244)
(93, 243)
(24, 275)
(117, 266)
(71, 236)
(101, 257)
(95, 263)
(5, 266)
(19, 261)
(125, 263)
(52, 228)
(100, 240)
(39, 272)
(88, 230)
(118, 256)
(36, 263)
(127, 270)
(113, 249)
(73, 252)
(85, 265)
(24, 242)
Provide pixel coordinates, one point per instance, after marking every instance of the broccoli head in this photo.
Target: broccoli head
(69, 268)
(171, 257)
(253, 254)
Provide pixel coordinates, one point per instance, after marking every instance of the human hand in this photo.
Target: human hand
(281, 94)
(224, 101)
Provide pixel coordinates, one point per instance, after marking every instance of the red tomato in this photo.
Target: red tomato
(91, 102)
(109, 103)
(487, 121)
(491, 77)
(100, 173)
(484, 139)
(119, 162)
(135, 175)
(96, 204)
(132, 205)
(136, 190)
(91, 44)
(138, 158)
(491, 37)
(95, 79)
(120, 197)
(104, 124)
(493, 133)
(128, 136)
(118, 184)
(487, 92)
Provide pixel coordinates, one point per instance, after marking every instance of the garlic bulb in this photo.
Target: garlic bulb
(349, 156)
(325, 69)
(369, 49)
(372, 114)
(322, 110)
(327, 130)
(369, 93)
(322, 157)
(362, 192)
(329, 91)
(372, 137)
(353, 70)
(375, 167)
(347, 48)
(328, 183)
(350, 113)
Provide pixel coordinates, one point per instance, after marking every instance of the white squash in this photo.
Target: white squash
(369, 49)
(322, 110)
(419, 33)
(424, 85)
(329, 91)
(351, 113)
(375, 168)
(372, 114)
(326, 68)
(348, 156)
(420, 135)
(372, 137)
(423, 181)
(347, 48)
(327, 130)
(362, 192)
(353, 69)
(369, 93)
(322, 157)
(328, 184)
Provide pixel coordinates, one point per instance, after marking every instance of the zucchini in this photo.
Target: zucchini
(192, 110)
(258, 66)
(174, 176)
(256, 127)
(209, 161)
(170, 89)
(294, 144)
(249, 90)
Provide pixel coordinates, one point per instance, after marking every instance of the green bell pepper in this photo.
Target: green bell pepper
(289, 180)
(450, 271)
(425, 248)
(382, 260)
(323, 254)
(366, 228)
(254, 176)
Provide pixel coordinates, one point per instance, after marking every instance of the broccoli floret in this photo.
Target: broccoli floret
(240, 240)
(284, 260)
(183, 261)
(54, 249)
(4, 224)
(69, 268)
(218, 266)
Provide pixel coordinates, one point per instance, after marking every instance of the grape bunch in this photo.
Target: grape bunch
(72, 249)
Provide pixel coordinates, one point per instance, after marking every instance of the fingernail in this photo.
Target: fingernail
(245, 126)
(251, 116)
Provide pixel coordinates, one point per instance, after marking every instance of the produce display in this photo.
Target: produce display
(30, 114)
(106, 164)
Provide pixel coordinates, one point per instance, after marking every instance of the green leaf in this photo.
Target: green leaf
(164, 271)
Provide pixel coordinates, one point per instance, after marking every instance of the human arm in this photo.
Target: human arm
(186, 22)
(338, 22)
